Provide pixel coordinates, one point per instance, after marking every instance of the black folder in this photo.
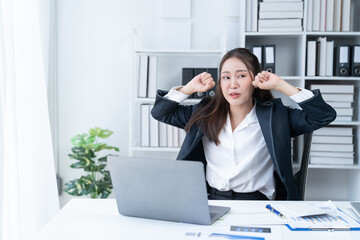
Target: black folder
(187, 75)
(214, 75)
(197, 71)
(342, 61)
(257, 50)
(355, 61)
(269, 58)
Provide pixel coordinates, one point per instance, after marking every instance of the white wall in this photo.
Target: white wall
(94, 42)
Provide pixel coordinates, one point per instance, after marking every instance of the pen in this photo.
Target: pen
(274, 211)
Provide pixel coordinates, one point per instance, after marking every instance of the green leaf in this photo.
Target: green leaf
(78, 140)
(105, 133)
(95, 132)
(89, 139)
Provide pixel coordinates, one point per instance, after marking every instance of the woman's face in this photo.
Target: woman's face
(236, 83)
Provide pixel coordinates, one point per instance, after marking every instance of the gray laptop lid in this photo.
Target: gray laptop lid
(162, 189)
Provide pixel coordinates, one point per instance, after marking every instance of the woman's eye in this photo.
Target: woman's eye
(226, 77)
(241, 76)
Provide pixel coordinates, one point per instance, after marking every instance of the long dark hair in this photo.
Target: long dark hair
(211, 117)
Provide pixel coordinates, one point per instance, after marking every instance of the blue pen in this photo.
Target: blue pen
(275, 211)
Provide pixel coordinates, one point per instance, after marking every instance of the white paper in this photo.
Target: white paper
(269, 55)
(344, 53)
(356, 54)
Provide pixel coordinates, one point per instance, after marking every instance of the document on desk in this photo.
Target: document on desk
(228, 232)
(304, 216)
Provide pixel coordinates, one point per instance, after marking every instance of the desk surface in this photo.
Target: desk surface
(99, 219)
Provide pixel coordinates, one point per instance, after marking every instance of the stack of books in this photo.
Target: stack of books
(340, 97)
(328, 15)
(158, 134)
(332, 146)
(281, 16)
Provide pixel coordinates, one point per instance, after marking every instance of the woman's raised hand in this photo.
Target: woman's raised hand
(268, 81)
(200, 83)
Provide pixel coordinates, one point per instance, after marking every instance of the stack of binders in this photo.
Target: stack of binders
(347, 61)
(281, 16)
(266, 56)
(190, 73)
(158, 134)
(332, 146)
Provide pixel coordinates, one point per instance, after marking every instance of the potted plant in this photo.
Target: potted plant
(97, 182)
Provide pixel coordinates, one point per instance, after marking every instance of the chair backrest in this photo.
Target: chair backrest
(301, 175)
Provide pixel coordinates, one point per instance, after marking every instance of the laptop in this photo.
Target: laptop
(162, 189)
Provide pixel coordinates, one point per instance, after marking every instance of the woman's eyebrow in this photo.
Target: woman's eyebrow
(235, 71)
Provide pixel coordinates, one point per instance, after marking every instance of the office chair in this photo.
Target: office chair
(301, 175)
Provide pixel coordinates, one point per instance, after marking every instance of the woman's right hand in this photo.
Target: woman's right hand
(200, 83)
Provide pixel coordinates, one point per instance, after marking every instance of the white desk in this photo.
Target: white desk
(99, 219)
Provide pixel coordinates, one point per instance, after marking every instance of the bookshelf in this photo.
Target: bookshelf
(169, 74)
(291, 65)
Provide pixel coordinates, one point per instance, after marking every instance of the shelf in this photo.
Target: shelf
(332, 78)
(313, 166)
(274, 34)
(180, 51)
(354, 123)
(342, 34)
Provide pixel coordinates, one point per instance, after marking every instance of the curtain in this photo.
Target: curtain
(28, 192)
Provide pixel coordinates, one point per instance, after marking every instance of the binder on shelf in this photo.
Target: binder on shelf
(162, 134)
(187, 75)
(355, 61)
(145, 125)
(257, 51)
(248, 16)
(198, 71)
(214, 75)
(143, 76)
(345, 14)
(311, 58)
(269, 58)
(309, 15)
(342, 60)
(154, 131)
(254, 15)
(322, 15)
(337, 15)
(329, 68)
(322, 56)
(329, 21)
(152, 77)
(316, 15)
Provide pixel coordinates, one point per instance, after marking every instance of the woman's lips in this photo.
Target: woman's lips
(234, 95)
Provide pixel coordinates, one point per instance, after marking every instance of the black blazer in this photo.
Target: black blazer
(278, 124)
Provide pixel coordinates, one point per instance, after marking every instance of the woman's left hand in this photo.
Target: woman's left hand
(267, 80)
(270, 81)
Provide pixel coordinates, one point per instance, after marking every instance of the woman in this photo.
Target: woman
(242, 134)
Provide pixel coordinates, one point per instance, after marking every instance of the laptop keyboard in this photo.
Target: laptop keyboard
(212, 215)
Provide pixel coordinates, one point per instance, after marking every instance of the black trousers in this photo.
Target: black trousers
(231, 195)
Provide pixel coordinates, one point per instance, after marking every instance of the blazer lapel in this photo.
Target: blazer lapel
(264, 115)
